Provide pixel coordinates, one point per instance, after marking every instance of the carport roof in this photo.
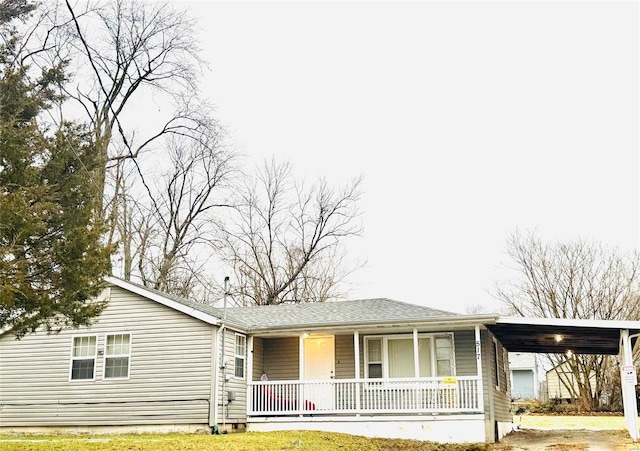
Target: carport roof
(553, 335)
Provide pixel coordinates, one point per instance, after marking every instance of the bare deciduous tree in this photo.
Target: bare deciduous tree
(163, 236)
(576, 280)
(130, 48)
(284, 241)
(120, 56)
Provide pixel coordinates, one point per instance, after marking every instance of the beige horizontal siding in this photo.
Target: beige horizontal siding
(258, 358)
(232, 410)
(497, 400)
(465, 353)
(100, 414)
(170, 370)
(345, 360)
(281, 358)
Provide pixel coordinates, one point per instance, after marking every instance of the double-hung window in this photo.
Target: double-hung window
(444, 355)
(117, 356)
(374, 357)
(396, 356)
(240, 356)
(116, 352)
(83, 358)
(496, 367)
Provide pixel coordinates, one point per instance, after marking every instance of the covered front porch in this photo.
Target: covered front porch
(370, 373)
(365, 396)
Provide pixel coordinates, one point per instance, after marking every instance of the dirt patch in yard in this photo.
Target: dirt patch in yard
(568, 432)
(591, 422)
(565, 440)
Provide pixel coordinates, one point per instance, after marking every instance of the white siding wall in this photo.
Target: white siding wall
(557, 385)
(170, 371)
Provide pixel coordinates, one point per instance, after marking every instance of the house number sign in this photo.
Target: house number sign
(629, 374)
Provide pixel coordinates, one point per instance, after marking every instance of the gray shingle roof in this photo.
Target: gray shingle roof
(374, 311)
(360, 312)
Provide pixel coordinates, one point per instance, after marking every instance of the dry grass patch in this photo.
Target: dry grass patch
(250, 441)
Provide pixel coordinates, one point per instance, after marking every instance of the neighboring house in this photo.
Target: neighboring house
(151, 361)
(526, 375)
(562, 384)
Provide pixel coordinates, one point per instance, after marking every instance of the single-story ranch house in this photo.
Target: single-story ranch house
(372, 367)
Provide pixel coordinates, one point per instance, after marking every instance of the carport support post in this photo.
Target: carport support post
(628, 387)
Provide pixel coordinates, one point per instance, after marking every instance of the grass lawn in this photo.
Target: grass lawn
(250, 441)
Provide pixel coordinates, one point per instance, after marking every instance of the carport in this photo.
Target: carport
(559, 336)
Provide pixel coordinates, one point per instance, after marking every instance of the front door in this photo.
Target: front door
(319, 365)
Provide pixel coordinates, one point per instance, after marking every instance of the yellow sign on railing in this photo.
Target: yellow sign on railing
(450, 380)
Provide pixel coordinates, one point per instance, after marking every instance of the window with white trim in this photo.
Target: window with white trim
(240, 357)
(393, 356)
(505, 368)
(117, 355)
(83, 358)
(496, 366)
(374, 357)
(444, 354)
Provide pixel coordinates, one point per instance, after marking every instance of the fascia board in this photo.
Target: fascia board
(449, 321)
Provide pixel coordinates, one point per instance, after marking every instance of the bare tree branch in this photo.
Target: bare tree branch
(169, 230)
(284, 242)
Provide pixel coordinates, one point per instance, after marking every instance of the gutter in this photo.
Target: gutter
(445, 322)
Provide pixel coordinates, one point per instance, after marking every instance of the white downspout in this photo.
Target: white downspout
(223, 364)
(249, 373)
(215, 389)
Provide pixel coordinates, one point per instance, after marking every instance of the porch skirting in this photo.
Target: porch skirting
(462, 428)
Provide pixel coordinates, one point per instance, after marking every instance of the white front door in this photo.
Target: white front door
(319, 365)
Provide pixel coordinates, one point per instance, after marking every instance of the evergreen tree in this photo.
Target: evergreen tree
(52, 262)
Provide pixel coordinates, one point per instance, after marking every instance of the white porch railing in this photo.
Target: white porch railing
(366, 396)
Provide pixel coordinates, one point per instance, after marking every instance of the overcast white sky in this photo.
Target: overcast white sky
(467, 120)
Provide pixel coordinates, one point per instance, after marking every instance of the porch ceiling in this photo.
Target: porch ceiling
(550, 335)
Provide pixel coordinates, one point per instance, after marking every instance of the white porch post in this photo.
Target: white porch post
(356, 360)
(356, 353)
(301, 358)
(628, 385)
(416, 363)
(249, 371)
(479, 368)
(301, 372)
(250, 358)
